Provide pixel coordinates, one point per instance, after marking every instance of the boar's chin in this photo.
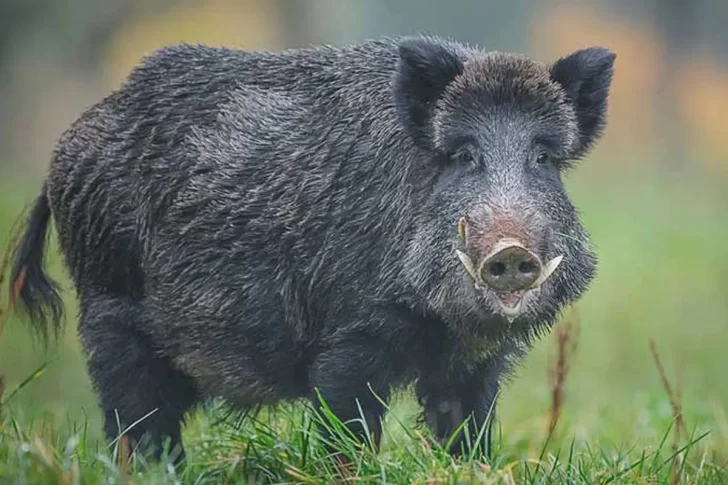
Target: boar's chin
(512, 305)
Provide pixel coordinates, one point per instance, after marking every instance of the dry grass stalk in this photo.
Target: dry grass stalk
(2, 391)
(675, 397)
(566, 342)
(5, 312)
(673, 394)
(124, 455)
(423, 442)
(44, 455)
(299, 475)
(345, 467)
(72, 476)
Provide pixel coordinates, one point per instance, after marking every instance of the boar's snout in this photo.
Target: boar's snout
(510, 267)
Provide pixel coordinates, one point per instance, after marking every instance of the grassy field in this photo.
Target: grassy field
(662, 275)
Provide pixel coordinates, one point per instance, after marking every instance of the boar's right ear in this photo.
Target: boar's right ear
(424, 70)
(586, 76)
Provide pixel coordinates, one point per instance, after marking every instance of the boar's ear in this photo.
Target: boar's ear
(424, 70)
(586, 76)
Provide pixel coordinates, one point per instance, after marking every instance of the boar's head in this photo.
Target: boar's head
(497, 235)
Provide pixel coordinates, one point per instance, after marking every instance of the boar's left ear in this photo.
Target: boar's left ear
(424, 70)
(586, 76)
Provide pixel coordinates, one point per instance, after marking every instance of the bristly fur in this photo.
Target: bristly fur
(259, 226)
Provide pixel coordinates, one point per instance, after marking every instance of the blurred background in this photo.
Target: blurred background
(653, 193)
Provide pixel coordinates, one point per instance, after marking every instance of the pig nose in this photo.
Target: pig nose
(510, 269)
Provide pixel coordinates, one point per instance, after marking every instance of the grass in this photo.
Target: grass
(662, 278)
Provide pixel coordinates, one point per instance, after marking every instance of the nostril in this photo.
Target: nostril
(527, 267)
(510, 268)
(497, 268)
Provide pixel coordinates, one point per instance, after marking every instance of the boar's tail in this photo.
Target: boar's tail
(36, 293)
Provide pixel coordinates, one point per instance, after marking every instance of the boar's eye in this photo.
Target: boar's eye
(463, 155)
(543, 155)
(543, 158)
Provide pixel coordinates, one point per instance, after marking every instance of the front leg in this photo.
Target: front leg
(353, 366)
(449, 400)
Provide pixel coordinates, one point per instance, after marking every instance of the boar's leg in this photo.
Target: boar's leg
(450, 400)
(354, 373)
(132, 379)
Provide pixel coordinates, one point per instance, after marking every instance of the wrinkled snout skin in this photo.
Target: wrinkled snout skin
(263, 227)
(509, 246)
(500, 243)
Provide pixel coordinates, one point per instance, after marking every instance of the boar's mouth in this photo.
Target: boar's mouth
(510, 300)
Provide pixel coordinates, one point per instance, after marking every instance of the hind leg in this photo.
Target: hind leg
(132, 379)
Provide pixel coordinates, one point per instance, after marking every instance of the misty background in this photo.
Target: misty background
(671, 87)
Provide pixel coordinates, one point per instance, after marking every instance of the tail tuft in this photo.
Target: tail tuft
(30, 286)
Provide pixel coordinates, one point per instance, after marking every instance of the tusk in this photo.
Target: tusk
(548, 270)
(468, 263)
(463, 229)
